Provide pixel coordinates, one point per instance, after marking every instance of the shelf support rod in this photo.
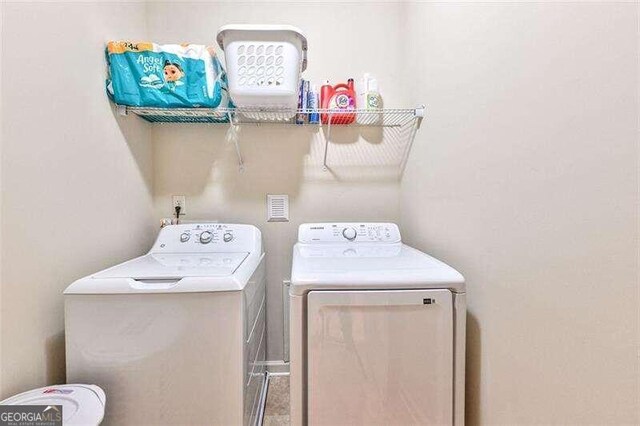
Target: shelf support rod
(417, 120)
(234, 135)
(326, 143)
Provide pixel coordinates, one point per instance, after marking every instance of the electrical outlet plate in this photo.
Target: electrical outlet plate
(179, 200)
(277, 208)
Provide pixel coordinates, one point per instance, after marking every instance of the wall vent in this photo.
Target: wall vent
(278, 208)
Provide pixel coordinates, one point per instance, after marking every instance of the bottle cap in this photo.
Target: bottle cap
(363, 85)
(373, 85)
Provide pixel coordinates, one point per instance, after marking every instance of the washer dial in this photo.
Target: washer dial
(205, 237)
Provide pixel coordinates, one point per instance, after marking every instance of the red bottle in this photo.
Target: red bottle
(342, 99)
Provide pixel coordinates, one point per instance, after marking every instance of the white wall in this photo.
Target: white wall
(199, 162)
(524, 177)
(76, 181)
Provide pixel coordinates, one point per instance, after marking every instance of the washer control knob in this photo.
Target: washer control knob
(184, 237)
(205, 237)
(228, 236)
(349, 233)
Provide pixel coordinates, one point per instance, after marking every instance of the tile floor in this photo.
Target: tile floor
(276, 412)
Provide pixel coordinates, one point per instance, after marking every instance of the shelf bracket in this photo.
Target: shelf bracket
(419, 113)
(234, 136)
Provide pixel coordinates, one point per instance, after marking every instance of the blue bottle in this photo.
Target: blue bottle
(313, 100)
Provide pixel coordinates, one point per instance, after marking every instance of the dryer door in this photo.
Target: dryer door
(380, 357)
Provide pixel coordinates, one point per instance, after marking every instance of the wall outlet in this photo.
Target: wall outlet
(179, 200)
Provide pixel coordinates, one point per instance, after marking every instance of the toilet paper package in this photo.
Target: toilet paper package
(145, 74)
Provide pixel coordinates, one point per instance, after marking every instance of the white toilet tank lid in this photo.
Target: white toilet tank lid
(82, 405)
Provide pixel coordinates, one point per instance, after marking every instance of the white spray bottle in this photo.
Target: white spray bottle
(361, 98)
(369, 99)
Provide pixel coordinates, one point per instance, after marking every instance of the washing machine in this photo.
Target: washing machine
(377, 330)
(176, 336)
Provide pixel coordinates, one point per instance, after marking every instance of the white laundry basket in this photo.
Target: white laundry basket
(263, 64)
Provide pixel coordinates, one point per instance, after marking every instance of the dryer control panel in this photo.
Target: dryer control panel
(356, 232)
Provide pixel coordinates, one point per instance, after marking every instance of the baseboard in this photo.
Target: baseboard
(277, 368)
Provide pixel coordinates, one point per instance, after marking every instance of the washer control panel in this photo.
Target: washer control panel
(206, 237)
(344, 232)
(207, 233)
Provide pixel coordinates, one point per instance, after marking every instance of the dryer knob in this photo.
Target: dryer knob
(184, 237)
(227, 237)
(349, 233)
(205, 237)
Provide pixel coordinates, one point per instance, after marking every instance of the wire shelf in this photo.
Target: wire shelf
(391, 117)
(405, 120)
(178, 115)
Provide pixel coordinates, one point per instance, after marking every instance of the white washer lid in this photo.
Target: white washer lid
(163, 266)
(82, 405)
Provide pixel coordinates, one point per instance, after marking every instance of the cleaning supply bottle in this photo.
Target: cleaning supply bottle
(369, 99)
(374, 101)
(362, 87)
(313, 102)
(342, 99)
(301, 115)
